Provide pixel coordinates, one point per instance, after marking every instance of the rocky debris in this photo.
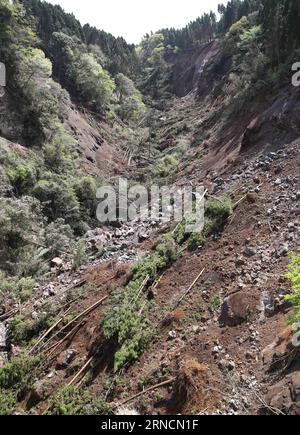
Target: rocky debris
(284, 396)
(277, 354)
(49, 291)
(40, 391)
(267, 305)
(65, 358)
(57, 262)
(172, 335)
(235, 310)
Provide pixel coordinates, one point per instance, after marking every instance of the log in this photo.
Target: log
(190, 288)
(142, 393)
(80, 372)
(49, 331)
(83, 314)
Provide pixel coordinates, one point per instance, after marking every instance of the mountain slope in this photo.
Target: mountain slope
(93, 314)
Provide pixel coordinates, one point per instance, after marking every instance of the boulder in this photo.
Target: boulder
(65, 358)
(57, 262)
(235, 310)
(285, 395)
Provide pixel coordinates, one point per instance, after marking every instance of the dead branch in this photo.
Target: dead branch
(49, 331)
(144, 283)
(86, 365)
(81, 315)
(55, 346)
(8, 315)
(190, 288)
(142, 393)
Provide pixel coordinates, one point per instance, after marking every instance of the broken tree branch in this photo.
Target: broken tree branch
(190, 288)
(86, 365)
(142, 393)
(48, 332)
(81, 315)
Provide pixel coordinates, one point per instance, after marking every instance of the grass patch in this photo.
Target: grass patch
(293, 276)
(69, 401)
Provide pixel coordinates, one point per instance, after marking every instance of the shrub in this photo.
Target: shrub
(85, 190)
(166, 167)
(16, 371)
(22, 331)
(8, 402)
(294, 277)
(125, 323)
(22, 177)
(166, 253)
(57, 237)
(80, 257)
(19, 289)
(58, 200)
(69, 401)
(20, 225)
(196, 240)
(219, 208)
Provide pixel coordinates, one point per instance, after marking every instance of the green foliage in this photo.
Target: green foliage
(131, 106)
(80, 257)
(215, 303)
(8, 402)
(166, 167)
(19, 229)
(22, 177)
(15, 288)
(85, 189)
(218, 208)
(196, 240)
(58, 237)
(293, 276)
(70, 401)
(126, 323)
(22, 331)
(165, 254)
(58, 200)
(93, 84)
(16, 372)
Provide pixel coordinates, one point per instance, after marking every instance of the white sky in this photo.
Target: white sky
(132, 19)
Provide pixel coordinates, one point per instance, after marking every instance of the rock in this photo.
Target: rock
(235, 310)
(57, 262)
(65, 358)
(249, 252)
(40, 391)
(142, 237)
(285, 395)
(240, 262)
(282, 251)
(251, 198)
(276, 355)
(172, 335)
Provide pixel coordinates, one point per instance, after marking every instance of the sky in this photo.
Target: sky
(132, 19)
